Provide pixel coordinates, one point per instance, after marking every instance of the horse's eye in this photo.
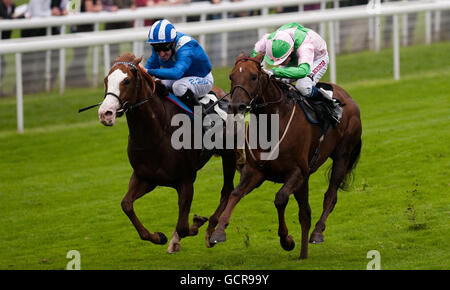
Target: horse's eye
(230, 77)
(126, 81)
(253, 77)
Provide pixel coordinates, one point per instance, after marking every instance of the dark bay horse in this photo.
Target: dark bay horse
(251, 87)
(129, 89)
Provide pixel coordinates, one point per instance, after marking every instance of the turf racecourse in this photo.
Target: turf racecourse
(62, 181)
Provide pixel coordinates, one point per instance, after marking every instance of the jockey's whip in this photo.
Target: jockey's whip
(89, 107)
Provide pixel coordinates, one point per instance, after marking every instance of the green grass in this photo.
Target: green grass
(61, 183)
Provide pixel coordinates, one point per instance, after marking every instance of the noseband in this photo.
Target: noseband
(125, 106)
(252, 104)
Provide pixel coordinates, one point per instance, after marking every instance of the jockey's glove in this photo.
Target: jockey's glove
(286, 80)
(268, 71)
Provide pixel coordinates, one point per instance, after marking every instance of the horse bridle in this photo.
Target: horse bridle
(124, 106)
(252, 105)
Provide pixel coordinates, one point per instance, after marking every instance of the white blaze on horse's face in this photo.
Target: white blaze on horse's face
(110, 105)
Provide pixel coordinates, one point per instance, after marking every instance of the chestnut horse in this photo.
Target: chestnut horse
(129, 89)
(254, 90)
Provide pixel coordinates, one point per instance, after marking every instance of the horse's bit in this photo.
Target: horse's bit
(253, 105)
(124, 106)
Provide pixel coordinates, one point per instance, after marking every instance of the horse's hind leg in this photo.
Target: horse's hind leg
(136, 189)
(338, 173)
(229, 169)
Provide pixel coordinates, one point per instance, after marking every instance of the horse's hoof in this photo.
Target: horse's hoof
(218, 237)
(208, 242)
(288, 243)
(162, 238)
(174, 248)
(316, 238)
(200, 220)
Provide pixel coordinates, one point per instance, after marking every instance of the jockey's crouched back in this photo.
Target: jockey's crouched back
(180, 62)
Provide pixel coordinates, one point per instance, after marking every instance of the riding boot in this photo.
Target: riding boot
(336, 110)
(190, 99)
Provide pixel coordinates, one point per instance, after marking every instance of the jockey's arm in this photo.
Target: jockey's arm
(260, 46)
(184, 61)
(298, 72)
(152, 62)
(305, 56)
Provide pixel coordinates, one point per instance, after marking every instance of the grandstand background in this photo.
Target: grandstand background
(351, 36)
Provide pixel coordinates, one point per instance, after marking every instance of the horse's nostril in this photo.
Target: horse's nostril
(108, 113)
(242, 107)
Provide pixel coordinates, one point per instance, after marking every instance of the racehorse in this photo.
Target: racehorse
(252, 89)
(130, 90)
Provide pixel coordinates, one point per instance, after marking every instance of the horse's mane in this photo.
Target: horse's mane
(278, 83)
(126, 57)
(131, 58)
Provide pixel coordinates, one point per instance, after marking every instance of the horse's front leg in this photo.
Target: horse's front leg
(293, 182)
(250, 179)
(185, 195)
(136, 189)
(229, 170)
(304, 216)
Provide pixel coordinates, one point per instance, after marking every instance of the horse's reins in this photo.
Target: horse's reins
(124, 106)
(253, 105)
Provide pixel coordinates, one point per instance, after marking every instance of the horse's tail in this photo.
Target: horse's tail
(354, 158)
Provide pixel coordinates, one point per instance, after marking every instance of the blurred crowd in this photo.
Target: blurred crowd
(353, 33)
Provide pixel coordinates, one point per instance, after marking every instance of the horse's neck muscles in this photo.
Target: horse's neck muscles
(146, 124)
(273, 93)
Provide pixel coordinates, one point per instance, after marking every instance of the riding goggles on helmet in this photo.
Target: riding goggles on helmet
(162, 46)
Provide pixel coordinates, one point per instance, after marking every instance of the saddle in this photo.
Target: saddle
(318, 111)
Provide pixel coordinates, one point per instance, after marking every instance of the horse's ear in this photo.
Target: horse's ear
(137, 60)
(241, 55)
(260, 57)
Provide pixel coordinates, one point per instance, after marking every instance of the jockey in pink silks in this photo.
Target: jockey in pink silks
(297, 54)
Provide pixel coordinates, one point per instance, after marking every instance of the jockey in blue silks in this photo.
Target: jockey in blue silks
(179, 62)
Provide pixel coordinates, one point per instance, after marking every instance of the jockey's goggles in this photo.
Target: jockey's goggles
(162, 46)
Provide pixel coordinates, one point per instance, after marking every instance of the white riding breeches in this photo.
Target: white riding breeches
(319, 68)
(198, 85)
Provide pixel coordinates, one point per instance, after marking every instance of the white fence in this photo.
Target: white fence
(139, 35)
(179, 13)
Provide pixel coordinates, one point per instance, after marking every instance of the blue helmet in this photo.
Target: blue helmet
(162, 31)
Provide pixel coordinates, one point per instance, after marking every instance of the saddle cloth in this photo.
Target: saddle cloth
(317, 112)
(206, 100)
